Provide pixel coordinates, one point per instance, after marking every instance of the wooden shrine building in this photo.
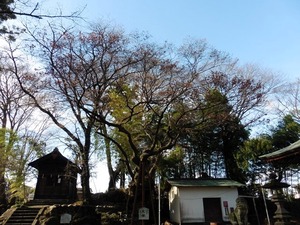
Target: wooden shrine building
(57, 178)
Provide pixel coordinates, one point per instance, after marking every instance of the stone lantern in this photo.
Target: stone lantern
(282, 216)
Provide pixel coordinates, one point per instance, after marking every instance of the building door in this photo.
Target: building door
(212, 209)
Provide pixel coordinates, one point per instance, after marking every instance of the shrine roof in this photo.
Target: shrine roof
(54, 158)
(207, 182)
(288, 155)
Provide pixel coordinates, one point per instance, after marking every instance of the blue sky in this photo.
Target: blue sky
(265, 32)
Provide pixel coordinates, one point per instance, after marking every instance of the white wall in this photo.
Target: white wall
(186, 203)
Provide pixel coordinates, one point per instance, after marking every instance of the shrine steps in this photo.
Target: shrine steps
(23, 216)
(45, 202)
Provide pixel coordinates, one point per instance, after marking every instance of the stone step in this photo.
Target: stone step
(23, 216)
(18, 223)
(40, 202)
(18, 217)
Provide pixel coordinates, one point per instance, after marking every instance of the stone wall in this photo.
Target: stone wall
(68, 214)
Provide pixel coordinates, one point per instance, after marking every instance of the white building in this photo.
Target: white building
(202, 200)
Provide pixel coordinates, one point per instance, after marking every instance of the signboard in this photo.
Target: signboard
(144, 213)
(65, 218)
(225, 204)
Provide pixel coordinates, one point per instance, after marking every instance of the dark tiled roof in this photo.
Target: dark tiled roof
(205, 183)
(55, 158)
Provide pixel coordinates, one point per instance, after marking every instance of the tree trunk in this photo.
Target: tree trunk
(3, 161)
(113, 180)
(112, 174)
(122, 179)
(232, 170)
(135, 189)
(142, 188)
(85, 177)
(3, 201)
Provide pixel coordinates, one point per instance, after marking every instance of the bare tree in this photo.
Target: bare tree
(79, 71)
(288, 98)
(16, 110)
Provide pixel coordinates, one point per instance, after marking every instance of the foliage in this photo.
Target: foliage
(248, 158)
(282, 135)
(210, 147)
(6, 10)
(219, 133)
(286, 132)
(172, 164)
(26, 148)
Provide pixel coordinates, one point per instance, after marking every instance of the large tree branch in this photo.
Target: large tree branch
(74, 15)
(37, 104)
